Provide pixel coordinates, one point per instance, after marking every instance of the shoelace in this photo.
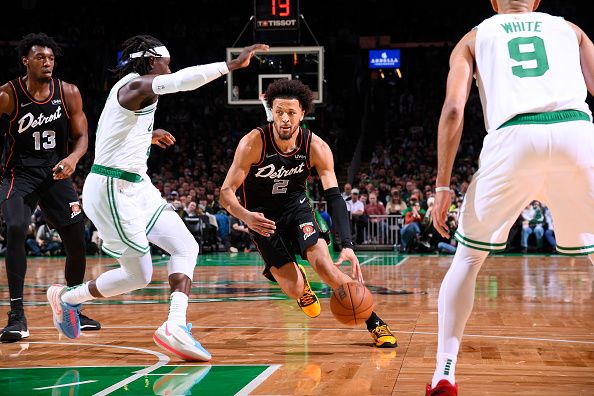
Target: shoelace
(381, 331)
(307, 298)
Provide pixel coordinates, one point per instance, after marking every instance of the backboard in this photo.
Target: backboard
(244, 86)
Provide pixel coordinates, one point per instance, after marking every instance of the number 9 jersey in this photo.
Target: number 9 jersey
(38, 130)
(526, 58)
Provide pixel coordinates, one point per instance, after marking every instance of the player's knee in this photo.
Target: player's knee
(187, 247)
(141, 279)
(138, 268)
(193, 248)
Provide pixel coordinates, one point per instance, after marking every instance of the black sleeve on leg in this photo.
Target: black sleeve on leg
(340, 216)
(73, 239)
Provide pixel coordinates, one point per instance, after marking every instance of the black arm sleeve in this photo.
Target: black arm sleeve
(340, 216)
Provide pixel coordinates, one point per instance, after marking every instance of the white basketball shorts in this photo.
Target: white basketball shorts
(552, 163)
(123, 206)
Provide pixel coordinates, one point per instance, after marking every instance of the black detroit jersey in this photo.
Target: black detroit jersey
(277, 183)
(38, 130)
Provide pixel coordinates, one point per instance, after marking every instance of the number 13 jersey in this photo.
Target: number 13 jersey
(38, 131)
(276, 184)
(521, 67)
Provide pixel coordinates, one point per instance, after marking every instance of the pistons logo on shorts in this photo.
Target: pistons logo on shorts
(307, 229)
(75, 208)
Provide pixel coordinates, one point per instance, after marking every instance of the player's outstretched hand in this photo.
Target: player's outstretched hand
(257, 222)
(162, 138)
(243, 60)
(347, 254)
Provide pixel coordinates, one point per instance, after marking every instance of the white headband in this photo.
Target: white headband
(160, 52)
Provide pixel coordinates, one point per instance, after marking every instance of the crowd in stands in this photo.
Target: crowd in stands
(396, 177)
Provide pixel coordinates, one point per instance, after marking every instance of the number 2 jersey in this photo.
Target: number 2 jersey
(38, 131)
(527, 63)
(277, 183)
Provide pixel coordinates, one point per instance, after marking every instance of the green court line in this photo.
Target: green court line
(172, 379)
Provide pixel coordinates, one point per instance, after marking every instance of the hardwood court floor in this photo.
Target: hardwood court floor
(531, 333)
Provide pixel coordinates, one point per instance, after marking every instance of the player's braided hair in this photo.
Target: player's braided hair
(137, 65)
(290, 89)
(40, 39)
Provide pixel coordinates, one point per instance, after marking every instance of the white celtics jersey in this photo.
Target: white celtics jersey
(527, 63)
(124, 136)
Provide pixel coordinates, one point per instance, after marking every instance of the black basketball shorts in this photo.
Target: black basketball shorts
(57, 198)
(296, 231)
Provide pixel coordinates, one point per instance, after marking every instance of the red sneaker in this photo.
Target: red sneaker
(443, 388)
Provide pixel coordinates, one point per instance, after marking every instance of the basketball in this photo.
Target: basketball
(351, 303)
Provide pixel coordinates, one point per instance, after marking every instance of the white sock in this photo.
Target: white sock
(456, 298)
(445, 369)
(77, 294)
(177, 308)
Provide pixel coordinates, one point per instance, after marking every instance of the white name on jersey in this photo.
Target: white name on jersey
(27, 121)
(271, 172)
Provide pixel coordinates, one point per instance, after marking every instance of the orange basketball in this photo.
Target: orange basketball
(351, 303)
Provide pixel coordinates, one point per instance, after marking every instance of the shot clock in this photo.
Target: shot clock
(276, 14)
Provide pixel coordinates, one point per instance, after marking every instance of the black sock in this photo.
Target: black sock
(17, 304)
(373, 321)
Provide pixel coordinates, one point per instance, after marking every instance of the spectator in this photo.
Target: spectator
(533, 223)
(212, 204)
(346, 193)
(550, 229)
(383, 193)
(31, 241)
(396, 204)
(324, 214)
(190, 211)
(239, 236)
(48, 240)
(412, 227)
(378, 225)
(358, 219)
(448, 245)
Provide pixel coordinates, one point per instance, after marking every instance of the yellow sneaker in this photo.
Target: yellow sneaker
(383, 337)
(308, 302)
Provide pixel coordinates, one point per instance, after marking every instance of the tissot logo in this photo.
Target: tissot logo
(28, 121)
(271, 172)
(277, 23)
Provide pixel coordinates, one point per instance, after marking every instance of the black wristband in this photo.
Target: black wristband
(340, 216)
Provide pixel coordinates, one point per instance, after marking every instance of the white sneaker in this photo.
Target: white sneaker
(66, 317)
(178, 340)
